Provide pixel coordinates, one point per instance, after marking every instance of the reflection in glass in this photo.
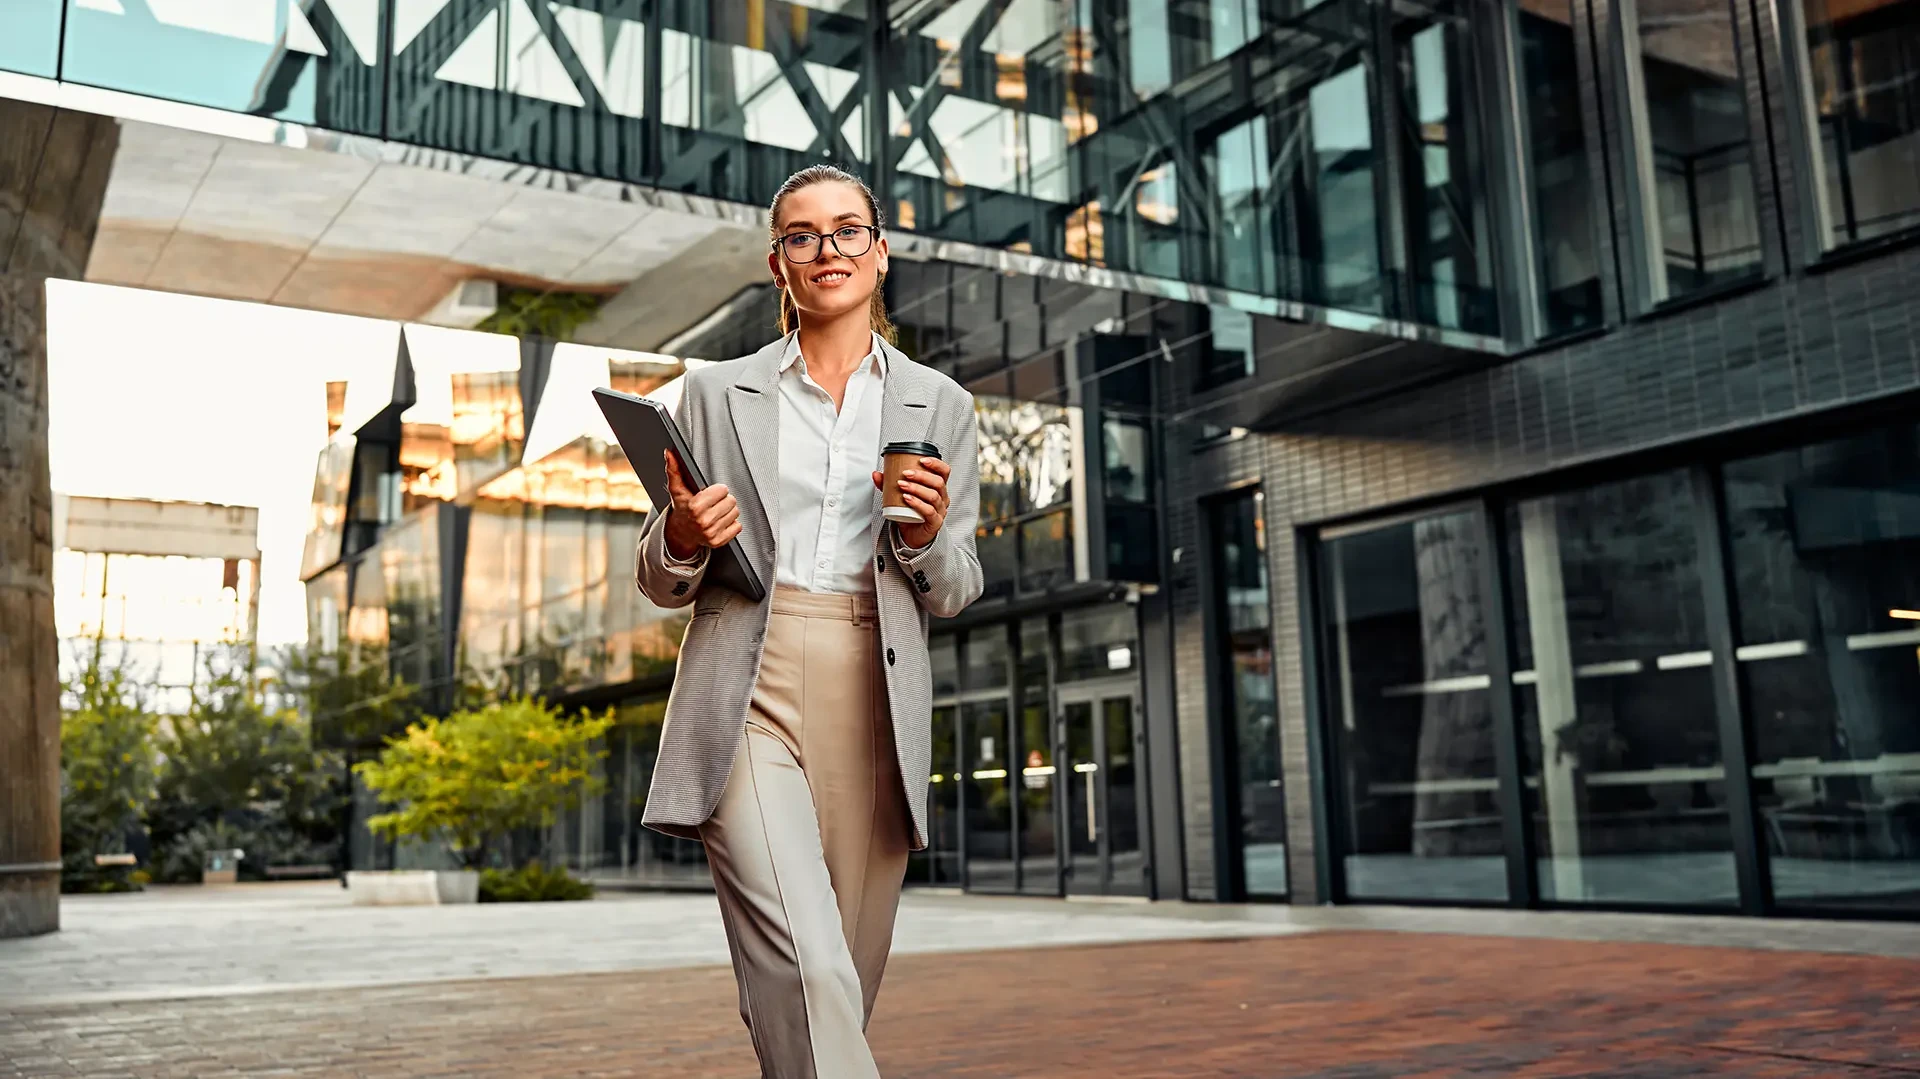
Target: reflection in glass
(978, 97)
(1080, 796)
(942, 856)
(1336, 238)
(1096, 642)
(1452, 267)
(1127, 867)
(30, 37)
(989, 812)
(1696, 165)
(539, 609)
(307, 63)
(327, 525)
(1556, 150)
(1825, 553)
(725, 81)
(1046, 551)
(1127, 452)
(1613, 684)
(1238, 161)
(1406, 641)
(489, 426)
(1039, 869)
(1862, 62)
(1228, 352)
(1247, 694)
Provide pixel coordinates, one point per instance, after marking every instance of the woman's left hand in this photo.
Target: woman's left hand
(925, 489)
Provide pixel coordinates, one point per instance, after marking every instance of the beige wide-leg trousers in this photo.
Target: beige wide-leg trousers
(808, 846)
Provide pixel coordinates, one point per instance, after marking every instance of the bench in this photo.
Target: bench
(301, 872)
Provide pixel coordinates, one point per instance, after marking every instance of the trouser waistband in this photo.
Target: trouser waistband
(842, 606)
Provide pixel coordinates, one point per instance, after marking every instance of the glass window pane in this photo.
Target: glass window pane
(1338, 238)
(30, 37)
(987, 658)
(1248, 701)
(946, 666)
(1046, 551)
(1825, 544)
(1557, 157)
(1238, 161)
(989, 805)
(1863, 63)
(1098, 642)
(1452, 265)
(980, 92)
(307, 63)
(942, 856)
(728, 99)
(1702, 227)
(1613, 684)
(1407, 645)
(1039, 844)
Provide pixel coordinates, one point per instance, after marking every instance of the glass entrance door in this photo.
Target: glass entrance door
(1099, 798)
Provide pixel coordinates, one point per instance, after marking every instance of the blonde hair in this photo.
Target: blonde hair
(828, 174)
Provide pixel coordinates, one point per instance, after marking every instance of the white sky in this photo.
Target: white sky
(182, 398)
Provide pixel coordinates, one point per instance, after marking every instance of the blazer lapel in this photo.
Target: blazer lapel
(754, 403)
(906, 414)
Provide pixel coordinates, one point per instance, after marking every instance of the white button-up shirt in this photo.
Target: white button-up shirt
(827, 461)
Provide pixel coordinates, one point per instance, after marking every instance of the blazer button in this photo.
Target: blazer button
(889, 657)
(880, 562)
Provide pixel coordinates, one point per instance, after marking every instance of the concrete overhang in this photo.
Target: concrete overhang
(236, 218)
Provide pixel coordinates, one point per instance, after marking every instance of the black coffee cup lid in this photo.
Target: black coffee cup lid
(920, 449)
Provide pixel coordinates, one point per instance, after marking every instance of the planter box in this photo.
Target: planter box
(413, 887)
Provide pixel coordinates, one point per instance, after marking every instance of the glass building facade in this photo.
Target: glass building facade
(1430, 451)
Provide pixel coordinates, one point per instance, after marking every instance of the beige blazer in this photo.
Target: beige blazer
(729, 414)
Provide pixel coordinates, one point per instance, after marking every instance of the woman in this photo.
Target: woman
(798, 735)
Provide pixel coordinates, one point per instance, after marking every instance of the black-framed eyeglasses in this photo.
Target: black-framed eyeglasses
(851, 241)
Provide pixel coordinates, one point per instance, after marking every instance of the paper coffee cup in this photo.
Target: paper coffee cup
(895, 459)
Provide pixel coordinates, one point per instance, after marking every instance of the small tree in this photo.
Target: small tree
(238, 775)
(106, 772)
(478, 774)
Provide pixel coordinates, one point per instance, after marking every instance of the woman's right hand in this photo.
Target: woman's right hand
(708, 517)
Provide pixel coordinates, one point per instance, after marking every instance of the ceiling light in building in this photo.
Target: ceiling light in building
(470, 302)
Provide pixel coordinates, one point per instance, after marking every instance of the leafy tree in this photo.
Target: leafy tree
(526, 312)
(478, 774)
(106, 772)
(235, 774)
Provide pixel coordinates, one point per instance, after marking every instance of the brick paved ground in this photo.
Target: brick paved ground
(1352, 1005)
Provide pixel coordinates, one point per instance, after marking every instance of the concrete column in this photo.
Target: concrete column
(53, 174)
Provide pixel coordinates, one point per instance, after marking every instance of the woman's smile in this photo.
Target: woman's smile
(831, 278)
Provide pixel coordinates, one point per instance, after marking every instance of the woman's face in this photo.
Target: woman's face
(833, 284)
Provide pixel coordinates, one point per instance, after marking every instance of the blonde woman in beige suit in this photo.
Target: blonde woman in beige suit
(798, 735)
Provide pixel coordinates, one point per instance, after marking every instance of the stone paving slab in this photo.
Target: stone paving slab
(170, 942)
(1329, 1005)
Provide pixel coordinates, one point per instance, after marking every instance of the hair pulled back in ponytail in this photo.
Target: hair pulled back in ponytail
(829, 174)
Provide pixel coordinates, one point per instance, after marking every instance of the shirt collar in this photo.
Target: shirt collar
(878, 355)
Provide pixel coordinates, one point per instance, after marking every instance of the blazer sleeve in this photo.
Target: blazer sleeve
(946, 572)
(663, 579)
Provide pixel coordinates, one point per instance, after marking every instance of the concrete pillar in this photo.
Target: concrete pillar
(53, 174)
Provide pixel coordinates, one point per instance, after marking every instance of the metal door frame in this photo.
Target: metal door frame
(1095, 693)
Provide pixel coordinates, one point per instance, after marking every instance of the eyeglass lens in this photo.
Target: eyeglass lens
(851, 241)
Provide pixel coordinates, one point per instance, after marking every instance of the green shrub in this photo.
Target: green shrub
(478, 775)
(531, 883)
(106, 772)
